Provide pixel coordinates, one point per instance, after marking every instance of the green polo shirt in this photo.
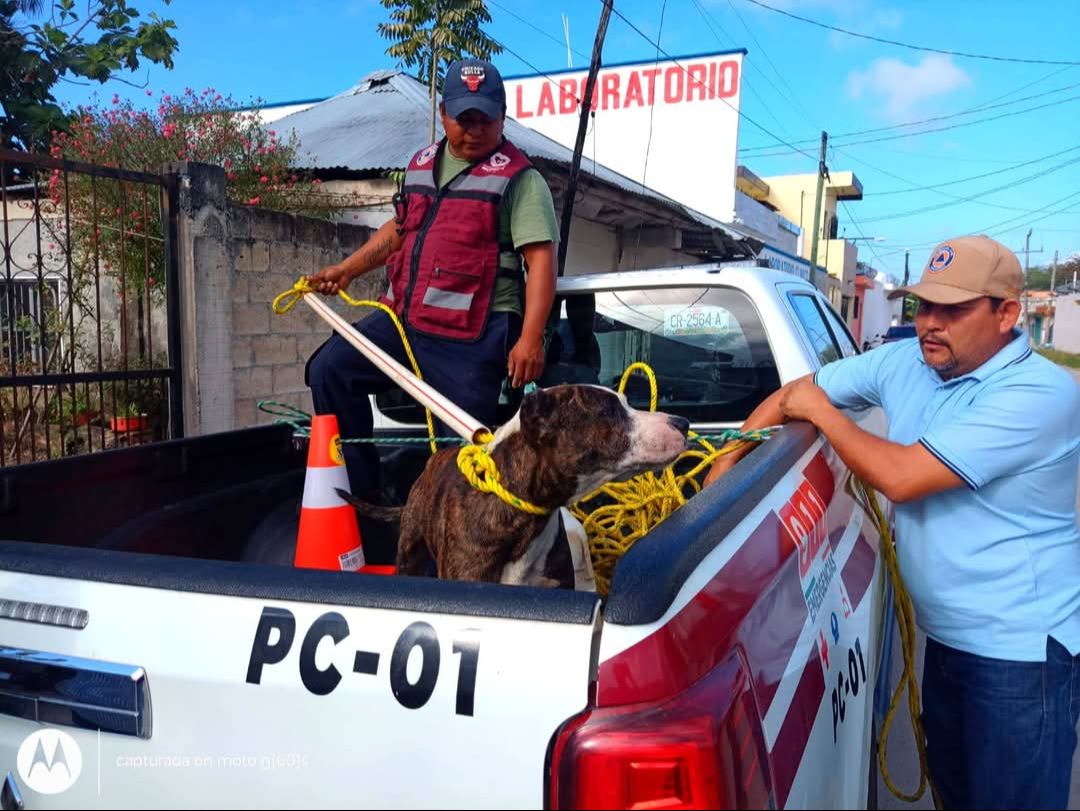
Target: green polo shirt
(526, 214)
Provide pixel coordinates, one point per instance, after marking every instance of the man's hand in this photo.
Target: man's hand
(526, 362)
(372, 254)
(331, 279)
(804, 400)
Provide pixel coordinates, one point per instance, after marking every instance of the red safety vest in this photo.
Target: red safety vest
(443, 278)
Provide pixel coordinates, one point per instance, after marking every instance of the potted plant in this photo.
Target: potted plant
(129, 418)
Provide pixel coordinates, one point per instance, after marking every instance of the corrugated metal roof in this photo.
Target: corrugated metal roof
(382, 121)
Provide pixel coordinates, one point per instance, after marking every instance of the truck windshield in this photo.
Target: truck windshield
(707, 347)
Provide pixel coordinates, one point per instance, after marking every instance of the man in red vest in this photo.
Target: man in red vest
(472, 207)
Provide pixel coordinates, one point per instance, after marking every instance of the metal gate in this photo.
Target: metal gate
(89, 308)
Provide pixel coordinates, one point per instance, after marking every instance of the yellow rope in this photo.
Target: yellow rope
(636, 506)
(287, 300)
(644, 501)
(479, 468)
(905, 619)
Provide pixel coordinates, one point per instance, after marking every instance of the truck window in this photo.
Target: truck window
(707, 347)
(840, 331)
(813, 324)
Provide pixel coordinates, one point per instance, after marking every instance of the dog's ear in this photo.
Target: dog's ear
(537, 417)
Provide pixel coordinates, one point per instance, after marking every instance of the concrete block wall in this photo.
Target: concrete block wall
(234, 261)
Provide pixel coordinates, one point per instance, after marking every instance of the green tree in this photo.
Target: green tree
(430, 34)
(92, 42)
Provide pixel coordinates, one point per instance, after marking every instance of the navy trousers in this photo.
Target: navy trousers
(470, 374)
(1000, 734)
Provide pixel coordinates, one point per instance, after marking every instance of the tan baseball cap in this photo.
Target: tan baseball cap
(968, 268)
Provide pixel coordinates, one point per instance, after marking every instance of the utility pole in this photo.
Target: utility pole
(579, 144)
(1027, 250)
(823, 172)
(1053, 273)
(1024, 300)
(903, 300)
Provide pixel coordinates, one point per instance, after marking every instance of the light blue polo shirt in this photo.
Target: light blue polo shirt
(993, 567)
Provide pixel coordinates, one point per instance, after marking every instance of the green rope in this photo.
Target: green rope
(292, 416)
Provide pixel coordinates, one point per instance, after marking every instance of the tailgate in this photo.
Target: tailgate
(192, 683)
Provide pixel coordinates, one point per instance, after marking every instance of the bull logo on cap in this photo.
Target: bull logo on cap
(472, 75)
(942, 259)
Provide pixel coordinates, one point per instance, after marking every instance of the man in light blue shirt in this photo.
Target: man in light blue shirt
(981, 462)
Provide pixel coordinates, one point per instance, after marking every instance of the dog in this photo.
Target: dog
(563, 443)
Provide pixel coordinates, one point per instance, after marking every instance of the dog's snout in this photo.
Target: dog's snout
(680, 424)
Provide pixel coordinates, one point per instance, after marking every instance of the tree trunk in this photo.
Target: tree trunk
(434, 73)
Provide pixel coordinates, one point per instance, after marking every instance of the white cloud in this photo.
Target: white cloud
(902, 90)
(887, 19)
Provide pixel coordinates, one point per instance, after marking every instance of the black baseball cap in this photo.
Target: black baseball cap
(473, 84)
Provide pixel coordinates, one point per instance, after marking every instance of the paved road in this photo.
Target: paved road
(903, 759)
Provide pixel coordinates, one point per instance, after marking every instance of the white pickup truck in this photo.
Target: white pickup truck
(148, 662)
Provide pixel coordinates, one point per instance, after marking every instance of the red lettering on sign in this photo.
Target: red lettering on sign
(705, 80)
(651, 75)
(696, 87)
(633, 91)
(610, 92)
(673, 85)
(568, 97)
(804, 519)
(729, 80)
(521, 111)
(547, 102)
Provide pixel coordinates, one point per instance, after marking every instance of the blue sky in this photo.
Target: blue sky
(286, 51)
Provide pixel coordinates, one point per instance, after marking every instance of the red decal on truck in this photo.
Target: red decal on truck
(804, 514)
(691, 643)
(804, 519)
(787, 751)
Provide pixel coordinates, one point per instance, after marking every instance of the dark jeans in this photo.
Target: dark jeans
(470, 374)
(1000, 734)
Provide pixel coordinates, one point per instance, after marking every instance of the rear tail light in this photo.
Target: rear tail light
(699, 749)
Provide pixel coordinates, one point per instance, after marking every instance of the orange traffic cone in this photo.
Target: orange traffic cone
(329, 536)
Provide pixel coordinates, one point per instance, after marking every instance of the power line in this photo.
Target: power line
(538, 29)
(896, 215)
(791, 93)
(537, 70)
(959, 180)
(935, 129)
(909, 45)
(753, 90)
(979, 109)
(862, 233)
(1037, 219)
(937, 191)
(708, 90)
(990, 229)
(706, 15)
(1050, 75)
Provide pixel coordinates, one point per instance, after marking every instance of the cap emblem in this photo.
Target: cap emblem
(472, 75)
(942, 259)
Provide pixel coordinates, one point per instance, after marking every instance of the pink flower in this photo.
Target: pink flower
(116, 99)
(254, 201)
(272, 133)
(149, 92)
(264, 179)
